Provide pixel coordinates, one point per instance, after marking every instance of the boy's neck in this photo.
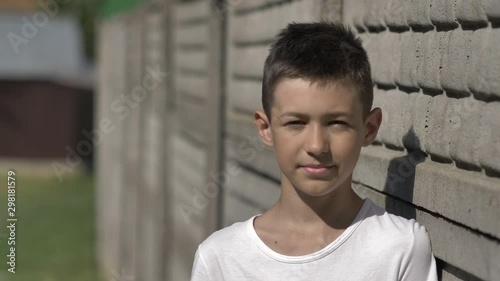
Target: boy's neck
(335, 210)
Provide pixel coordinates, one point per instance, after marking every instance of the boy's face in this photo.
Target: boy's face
(317, 133)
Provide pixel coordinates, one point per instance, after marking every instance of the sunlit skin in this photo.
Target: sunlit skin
(317, 133)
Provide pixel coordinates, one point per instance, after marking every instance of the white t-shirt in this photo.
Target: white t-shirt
(376, 246)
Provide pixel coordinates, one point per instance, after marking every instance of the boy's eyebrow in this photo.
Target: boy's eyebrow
(303, 115)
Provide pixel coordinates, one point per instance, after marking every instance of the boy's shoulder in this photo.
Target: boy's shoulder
(384, 227)
(227, 237)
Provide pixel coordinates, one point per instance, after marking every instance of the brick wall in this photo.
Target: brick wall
(436, 70)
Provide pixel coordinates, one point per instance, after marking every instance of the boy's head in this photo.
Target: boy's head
(317, 96)
(319, 53)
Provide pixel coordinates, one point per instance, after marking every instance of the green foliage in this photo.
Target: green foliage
(113, 7)
(86, 12)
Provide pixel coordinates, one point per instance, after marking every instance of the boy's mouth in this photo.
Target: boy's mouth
(316, 170)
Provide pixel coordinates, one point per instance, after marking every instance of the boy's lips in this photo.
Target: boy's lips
(316, 170)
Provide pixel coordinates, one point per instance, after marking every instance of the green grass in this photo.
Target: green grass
(55, 231)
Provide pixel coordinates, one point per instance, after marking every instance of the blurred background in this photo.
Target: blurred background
(47, 88)
(128, 124)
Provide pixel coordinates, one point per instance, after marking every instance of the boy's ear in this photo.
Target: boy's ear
(263, 127)
(372, 125)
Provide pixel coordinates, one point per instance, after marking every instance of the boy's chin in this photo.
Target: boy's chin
(316, 189)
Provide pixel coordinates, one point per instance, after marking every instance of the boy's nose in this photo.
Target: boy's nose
(317, 141)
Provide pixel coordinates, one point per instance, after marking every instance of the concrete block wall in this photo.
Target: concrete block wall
(109, 172)
(197, 139)
(188, 150)
(187, 160)
(131, 160)
(131, 146)
(153, 233)
(435, 66)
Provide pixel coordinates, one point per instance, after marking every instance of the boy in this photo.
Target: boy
(317, 96)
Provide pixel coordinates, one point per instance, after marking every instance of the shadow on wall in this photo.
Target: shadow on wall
(399, 186)
(400, 180)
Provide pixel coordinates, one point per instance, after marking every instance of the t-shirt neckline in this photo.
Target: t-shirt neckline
(312, 256)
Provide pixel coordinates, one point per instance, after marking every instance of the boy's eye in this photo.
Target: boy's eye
(337, 122)
(295, 124)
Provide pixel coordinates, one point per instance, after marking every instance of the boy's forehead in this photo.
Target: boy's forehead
(294, 92)
(301, 84)
(297, 94)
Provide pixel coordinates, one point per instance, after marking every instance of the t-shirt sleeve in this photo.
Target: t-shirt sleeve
(419, 263)
(199, 271)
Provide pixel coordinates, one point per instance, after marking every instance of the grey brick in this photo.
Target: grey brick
(192, 60)
(485, 74)
(395, 14)
(245, 94)
(249, 28)
(393, 120)
(453, 123)
(254, 187)
(190, 115)
(444, 125)
(433, 43)
(477, 80)
(371, 43)
(354, 13)
(448, 240)
(411, 43)
(193, 34)
(237, 210)
(374, 18)
(189, 152)
(419, 14)
(330, 9)
(388, 58)
(419, 123)
(192, 86)
(448, 274)
(469, 198)
(456, 62)
(471, 13)
(249, 61)
(493, 10)
(443, 13)
(244, 145)
(241, 126)
(489, 153)
(192, 11)
(380, 99)
(436, 143)
(492, 69)
(186, 238)
(407, 115)
(253, 154)
(465, 148)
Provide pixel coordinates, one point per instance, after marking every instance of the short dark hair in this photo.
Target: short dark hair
(318, 52)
